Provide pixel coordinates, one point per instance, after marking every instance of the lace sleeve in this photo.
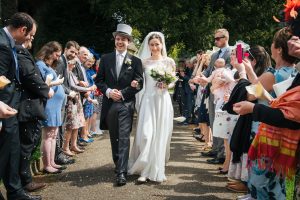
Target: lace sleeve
(145, 62)
(171, 63)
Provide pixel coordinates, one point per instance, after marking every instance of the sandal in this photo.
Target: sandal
(77, 150)
(68, 153)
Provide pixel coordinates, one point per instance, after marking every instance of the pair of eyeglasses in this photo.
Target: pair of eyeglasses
(218, 38)
(251, 57)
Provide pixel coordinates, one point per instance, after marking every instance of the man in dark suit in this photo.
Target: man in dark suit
(117, 70)
(33, 100)
(221, 41)
(21, 27)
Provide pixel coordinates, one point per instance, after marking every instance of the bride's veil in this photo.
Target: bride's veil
(144, 53)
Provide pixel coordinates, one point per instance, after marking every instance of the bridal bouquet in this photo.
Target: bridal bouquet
(162, 75)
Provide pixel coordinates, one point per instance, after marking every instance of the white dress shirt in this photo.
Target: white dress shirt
(119, 62)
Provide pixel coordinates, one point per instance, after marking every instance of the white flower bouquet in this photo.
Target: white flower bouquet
(163, 75)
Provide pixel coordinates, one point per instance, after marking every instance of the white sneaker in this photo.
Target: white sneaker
(142, 179)
(99, 132)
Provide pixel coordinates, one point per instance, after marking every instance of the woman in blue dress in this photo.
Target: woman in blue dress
(47, 59)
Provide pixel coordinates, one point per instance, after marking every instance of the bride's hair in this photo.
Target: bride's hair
(155, 36)
(145, 52)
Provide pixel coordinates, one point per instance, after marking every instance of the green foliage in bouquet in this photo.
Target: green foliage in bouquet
(163, 76)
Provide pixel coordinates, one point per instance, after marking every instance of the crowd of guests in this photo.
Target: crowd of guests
(49, 104)
(247, 127)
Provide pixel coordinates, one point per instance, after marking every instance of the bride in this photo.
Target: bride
(151, 147)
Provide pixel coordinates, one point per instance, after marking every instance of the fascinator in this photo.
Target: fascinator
(290, 16)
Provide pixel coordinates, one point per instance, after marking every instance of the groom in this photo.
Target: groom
(116, 72)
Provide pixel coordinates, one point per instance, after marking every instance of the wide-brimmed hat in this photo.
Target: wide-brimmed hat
(124, 30)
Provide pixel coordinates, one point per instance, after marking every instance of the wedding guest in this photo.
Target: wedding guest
(188, 93)
(70, 53)
(200, 103)
(74, 113)
(33, 100)
(20, 28)
(240, 141)
(221, 41)
(47, 58)
(92, 72)
(88, 106)
(178, 89)
(222, 82)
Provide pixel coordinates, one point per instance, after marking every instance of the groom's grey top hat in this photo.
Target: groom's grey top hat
(124, 30)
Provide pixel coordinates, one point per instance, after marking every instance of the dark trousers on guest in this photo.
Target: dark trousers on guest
(60, 136)
(10, 156)
(30, 137)
(188, 106)
(119, 120)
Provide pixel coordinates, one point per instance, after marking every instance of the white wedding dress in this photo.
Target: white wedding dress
(151, 147)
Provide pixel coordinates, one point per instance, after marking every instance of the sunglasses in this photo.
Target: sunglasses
(219, 38)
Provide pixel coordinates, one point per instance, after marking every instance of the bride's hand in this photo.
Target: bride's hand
(134, 84)
(162, 85)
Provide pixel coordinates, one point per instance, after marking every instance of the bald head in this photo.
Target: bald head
(83, 54)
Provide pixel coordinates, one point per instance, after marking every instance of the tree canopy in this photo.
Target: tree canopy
(188, 25)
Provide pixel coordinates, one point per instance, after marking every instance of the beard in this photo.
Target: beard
(70, 57)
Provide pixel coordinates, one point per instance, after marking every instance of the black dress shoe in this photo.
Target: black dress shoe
(208, 154)
(33, 186)
(216, 161)
(121, 179)
(64, 160)
(24, 196)
(56, 172)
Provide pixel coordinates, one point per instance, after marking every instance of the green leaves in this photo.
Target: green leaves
(187, 25)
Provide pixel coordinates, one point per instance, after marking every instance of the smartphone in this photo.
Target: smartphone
(239, 53)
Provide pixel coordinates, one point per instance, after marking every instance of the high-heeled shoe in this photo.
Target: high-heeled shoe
(223, 172)
(142, 180)
(77, 150)
(90, 140)
(69, 153)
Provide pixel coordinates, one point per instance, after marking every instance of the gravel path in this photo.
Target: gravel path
(92, 176)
